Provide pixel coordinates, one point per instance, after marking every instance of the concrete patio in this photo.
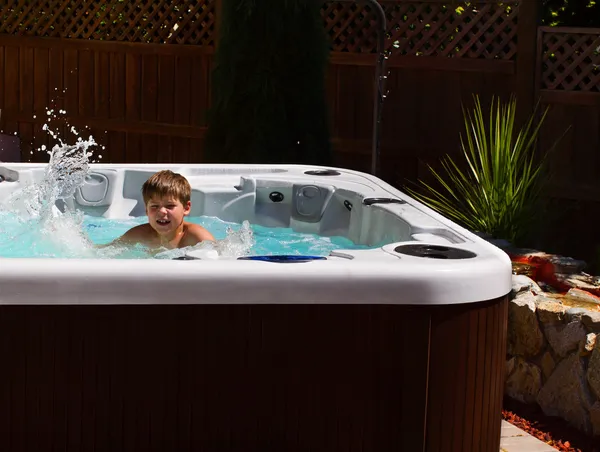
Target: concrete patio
(513, 439)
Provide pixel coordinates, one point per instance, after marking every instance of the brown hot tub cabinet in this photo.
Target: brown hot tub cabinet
(252, 378)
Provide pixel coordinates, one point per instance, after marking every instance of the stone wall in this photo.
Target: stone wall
(554, 355)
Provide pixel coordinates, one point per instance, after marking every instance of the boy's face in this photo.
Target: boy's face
(166, 214)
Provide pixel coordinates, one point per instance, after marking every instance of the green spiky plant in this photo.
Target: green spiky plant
(498, 190)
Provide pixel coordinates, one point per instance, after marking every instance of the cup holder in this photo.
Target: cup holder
(434, 251)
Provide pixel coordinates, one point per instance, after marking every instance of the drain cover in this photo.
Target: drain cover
(434, 251)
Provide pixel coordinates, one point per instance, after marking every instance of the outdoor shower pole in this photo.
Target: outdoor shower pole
(379, 79)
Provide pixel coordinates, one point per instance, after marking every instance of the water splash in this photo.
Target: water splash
(65, 172)
(33, 209)
(30, 217)
(237, 243)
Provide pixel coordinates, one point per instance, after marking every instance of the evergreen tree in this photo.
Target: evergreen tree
(268, 86)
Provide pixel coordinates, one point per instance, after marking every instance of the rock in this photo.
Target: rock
(566, 395)
(583, 295)
(565, 338)
(575, 314)
(567, 265)
(519, 269)
(524, 252)
(593, 371)
(500, 243)
(562, 264)
(484, 235)
(595, 418)
(587, 346)
(525, 381)
(548, 288)
(510, 366)
(550, 311)
(521, 283)
(549, 263)
(525, 338)
(591, 320)
(547, 364)
(579, 281)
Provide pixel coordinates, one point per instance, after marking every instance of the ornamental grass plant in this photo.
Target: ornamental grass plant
(496, 190)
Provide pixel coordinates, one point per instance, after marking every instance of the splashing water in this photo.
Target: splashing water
(31, 212)
(66, 170)
(30, 217)
(235, 244)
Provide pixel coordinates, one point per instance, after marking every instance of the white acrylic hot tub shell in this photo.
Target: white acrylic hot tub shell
(378, 276)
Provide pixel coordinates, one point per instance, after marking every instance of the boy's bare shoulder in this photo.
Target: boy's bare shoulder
(137, 233)
(196, 233)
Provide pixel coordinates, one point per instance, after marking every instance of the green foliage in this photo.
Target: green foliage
(571, 13)
(555, 13)
(268, 89)
(498, 190)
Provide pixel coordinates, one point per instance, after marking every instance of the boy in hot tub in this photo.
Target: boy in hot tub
(167, 199)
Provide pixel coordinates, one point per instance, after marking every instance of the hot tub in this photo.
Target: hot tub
(397, 347)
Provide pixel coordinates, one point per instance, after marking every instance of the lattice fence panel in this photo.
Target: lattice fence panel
(570, 60)
(152, 21)
(485, 29)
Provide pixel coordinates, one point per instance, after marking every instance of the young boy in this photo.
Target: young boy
(167, 199)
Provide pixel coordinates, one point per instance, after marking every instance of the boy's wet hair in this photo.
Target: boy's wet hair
(167, 183)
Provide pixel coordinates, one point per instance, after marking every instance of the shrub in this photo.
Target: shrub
(498, 190)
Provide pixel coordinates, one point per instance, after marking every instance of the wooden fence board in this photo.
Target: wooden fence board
(567, 82)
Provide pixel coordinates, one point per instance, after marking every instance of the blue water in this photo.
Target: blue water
(32, 226)
(76, 237)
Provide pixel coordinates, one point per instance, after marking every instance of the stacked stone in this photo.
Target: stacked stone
(554, 355)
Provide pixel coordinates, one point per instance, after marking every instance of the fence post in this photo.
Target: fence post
(217, 29)
(526, 89)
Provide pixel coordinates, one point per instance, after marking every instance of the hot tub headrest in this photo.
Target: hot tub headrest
(8, 175)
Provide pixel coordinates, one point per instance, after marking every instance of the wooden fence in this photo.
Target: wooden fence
(568, 82)
(137, 73)
(108, 67)
(440, 54)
